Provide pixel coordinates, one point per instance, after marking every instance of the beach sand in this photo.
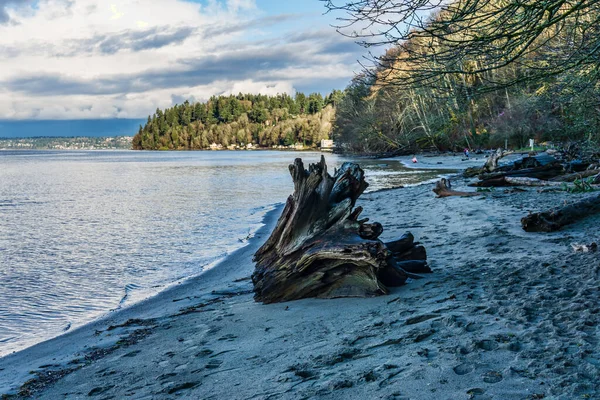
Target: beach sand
(505, 315)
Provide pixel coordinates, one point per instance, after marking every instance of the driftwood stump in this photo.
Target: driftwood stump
(443, 188)
(490, 165)
(320, 247)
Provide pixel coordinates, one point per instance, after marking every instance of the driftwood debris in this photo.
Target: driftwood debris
(542, 172)
(492, 162)
(576, 176)
(576, 162)
(320, 247)
(443, 188)
(539, 166)
(409, 255)
(554, 219)
(490, 165)
(585, 248)
(503, 181)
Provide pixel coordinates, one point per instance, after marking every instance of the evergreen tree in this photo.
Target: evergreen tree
(241, 119)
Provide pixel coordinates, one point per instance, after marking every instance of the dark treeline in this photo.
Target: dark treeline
(240, 121)
(477, 77)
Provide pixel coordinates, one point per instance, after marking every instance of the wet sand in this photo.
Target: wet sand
(505, 315)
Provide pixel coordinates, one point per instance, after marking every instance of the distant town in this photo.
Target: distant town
(67, 143)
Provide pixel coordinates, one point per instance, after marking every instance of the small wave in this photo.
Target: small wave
(128, 289)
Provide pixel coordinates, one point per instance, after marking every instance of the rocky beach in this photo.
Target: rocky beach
(505, 314)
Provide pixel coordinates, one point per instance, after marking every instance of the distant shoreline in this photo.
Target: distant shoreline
(67, 143)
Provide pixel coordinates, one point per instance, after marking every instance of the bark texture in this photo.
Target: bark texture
(575, 176)
(555, 219)
(319, 247)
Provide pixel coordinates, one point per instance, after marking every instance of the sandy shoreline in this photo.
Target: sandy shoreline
(505, 315)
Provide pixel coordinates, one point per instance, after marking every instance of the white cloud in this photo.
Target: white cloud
(235, 5)
(67, 59)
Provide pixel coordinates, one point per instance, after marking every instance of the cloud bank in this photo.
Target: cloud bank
(78, 59)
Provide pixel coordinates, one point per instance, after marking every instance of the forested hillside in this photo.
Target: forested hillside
(475, 74)
(240, 121)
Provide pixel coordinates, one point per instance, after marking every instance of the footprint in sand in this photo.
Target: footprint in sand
(214, 364)
(487, 345)
(514, 346)
(183, 386)
(166, 376)
(204, 353)
(132, 353)
(492, 377)
(99, 390)
(229, 337)
(477, 394)
(463, 369)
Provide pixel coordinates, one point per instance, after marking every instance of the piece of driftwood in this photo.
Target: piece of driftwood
(491, 164)
(407, 256)
(320, 247)
(443, 188)
(554, 219)
(575, 176)
(533, 161)
(585, 248)
(411, 256)
(547, 171)
(405, 243)
(504, 181)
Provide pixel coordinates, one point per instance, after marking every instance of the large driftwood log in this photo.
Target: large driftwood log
(554, 220)
(443, 188)
(319, 247)
(575, 176)
(515, 181)
(547, 171)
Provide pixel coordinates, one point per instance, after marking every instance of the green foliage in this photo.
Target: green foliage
(581, 186)
(402, 107)
(265, 121)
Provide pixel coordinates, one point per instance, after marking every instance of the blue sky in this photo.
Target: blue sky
(122, 59)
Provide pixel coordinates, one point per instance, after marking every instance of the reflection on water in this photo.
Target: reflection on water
(83, 233)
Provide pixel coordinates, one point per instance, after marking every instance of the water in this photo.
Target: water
(83, 233)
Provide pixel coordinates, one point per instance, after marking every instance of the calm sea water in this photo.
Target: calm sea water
(83, 233)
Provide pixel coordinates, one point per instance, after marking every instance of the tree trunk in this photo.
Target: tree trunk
(544, 172)
(319, 247)
(575, 176)
(515, 181)
(555, 219)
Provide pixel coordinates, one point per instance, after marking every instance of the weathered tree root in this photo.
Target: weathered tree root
(320, 248)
